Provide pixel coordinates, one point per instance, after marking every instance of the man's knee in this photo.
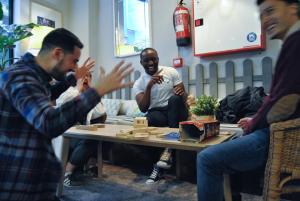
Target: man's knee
(204, 160)
(151, 121)
(175, 100)
(157, 120)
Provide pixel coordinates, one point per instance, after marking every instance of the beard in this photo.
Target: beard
(57, 73)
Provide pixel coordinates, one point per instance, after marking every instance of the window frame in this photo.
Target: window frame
(10, 21)
(116, 28)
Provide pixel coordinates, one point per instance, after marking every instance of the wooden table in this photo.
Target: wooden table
(109, 131)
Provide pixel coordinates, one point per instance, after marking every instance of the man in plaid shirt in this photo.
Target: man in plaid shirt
(29, 169)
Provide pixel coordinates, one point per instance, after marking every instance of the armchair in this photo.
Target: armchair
(283, 165)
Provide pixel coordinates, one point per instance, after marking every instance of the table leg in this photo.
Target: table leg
(111, 154)
(177, 165)
(64, 158)
(227, 188)
(100, 160)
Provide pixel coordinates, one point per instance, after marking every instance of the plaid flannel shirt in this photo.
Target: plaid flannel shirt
(29, 169)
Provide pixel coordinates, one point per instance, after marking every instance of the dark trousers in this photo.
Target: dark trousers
(169, 115)
(81, 151)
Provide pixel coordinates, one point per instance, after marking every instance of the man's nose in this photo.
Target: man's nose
(151, 61)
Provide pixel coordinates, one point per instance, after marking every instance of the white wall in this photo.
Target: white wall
(163, 36)
(84, 23)
(22, 16)
(92, 22)
(163, 39)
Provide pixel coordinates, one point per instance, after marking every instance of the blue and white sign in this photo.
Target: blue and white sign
(251, 37)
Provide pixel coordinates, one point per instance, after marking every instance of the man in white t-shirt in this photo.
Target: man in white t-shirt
(82, 151)
(160, 92)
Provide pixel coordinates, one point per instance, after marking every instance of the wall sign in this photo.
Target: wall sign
(226, 26)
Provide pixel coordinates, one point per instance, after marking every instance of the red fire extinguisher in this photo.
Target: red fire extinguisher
(181, 22)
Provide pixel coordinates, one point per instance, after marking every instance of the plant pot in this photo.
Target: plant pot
(203, 117)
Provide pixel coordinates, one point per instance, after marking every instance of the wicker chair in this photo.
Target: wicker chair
(283, 163)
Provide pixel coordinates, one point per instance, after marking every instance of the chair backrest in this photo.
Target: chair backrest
(283, 163)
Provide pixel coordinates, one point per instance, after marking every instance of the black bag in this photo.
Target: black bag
(242, 103)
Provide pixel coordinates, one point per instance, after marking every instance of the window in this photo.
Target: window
(131, 26)
(7, 8)
(7, 11)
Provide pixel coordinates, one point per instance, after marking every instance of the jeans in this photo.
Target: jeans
(238, 155)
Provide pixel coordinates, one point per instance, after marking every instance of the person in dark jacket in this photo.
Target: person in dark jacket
(280, 19)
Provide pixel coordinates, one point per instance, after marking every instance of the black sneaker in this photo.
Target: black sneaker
(70, 180)
(165, 161)
(92, 171)
(155, 175)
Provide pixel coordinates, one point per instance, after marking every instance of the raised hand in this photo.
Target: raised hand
(79, 84)
(113, 80)
(156, 79)
(82, 71)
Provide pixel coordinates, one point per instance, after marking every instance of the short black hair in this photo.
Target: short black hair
(145, 50)
(62, 38)
(287, 1)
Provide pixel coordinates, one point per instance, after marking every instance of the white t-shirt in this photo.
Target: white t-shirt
(160, 93)
(70, 94)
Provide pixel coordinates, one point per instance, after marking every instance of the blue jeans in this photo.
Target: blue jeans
(241, 154)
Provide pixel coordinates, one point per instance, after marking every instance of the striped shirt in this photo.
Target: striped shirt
(29, 169)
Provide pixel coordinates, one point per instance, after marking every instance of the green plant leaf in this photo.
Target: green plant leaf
(205, 105)
(9, 35)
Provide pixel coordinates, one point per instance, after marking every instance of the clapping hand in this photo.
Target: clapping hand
(82, 71)
(113, 80)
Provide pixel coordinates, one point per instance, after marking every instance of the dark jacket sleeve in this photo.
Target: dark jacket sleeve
(285, 82)
(59, 87)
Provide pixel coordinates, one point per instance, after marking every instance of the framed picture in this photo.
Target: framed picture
(45, 16)
(48, 19)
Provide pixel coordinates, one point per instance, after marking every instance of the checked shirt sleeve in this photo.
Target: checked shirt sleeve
(32, 100)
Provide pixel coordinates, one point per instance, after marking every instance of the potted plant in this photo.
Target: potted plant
(9, 35)
(204, 108)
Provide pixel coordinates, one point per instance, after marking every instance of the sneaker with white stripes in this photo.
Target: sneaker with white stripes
(70, 180)
(155, 175)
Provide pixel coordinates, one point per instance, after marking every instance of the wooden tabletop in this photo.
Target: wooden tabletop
(109, 131)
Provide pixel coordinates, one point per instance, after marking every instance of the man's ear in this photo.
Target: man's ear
(298, 10)
(57, 53)
(294, 9)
